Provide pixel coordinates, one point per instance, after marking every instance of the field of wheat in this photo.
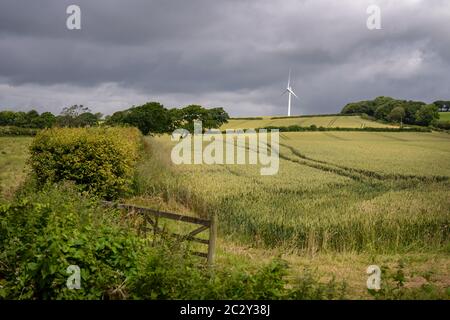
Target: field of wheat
(322, 121)
(346, 191)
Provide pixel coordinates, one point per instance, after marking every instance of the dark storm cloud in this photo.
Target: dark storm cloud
(230, 53)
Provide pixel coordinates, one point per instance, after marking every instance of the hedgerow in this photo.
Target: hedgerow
(99, 160)
(17, 131)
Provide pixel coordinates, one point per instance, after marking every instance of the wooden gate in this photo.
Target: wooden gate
(152, 216)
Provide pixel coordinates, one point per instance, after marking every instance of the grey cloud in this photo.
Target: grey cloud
(230, 53)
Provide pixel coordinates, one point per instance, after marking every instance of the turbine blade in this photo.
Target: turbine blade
(289, 78)
(290, 90)
(287, 90)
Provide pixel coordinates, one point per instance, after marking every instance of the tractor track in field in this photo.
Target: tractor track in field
(353, 173)
(332, 121)
(331, 135)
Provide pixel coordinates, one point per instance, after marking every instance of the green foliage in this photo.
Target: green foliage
(17, 131)
(153, 118)
(99, 160)
(442, 124)
(42, 233)
(393, 287)
(427, 114)
(359, 108)
(210, 118)
(172, 277)
(77, 116)
(442, 105)
(397, 114)
(45, 120)
(381, 108)
(31, 119)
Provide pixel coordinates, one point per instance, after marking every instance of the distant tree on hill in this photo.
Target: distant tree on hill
(45, 120)
(76, 116)
(151, 117)
(7, 118)
(397, 114)
(427, 114)
(444, 106)
(382, 107)
(86, 119)
(215, 118)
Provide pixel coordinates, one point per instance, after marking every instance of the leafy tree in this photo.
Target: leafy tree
(397, 114)
(360, 107)
(20, 119)
(190, 114)
(211, 118)
(150, 118)
(86, 119)
(45, 120)
(7, 118)
(117, 118)
(215, 118)
(427, 114)
(411, 109)
(69, 115)
(30, 117)
(74, 111)
(442, 105)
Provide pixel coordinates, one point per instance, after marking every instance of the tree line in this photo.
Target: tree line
(73, 116)
(400, 111)
(153, 117)
(150, 118)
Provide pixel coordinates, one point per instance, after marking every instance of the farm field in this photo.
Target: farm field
(369, 198)
(325, 121)
(13, 155)
(339, 203)
(444, 116)
(359, 198)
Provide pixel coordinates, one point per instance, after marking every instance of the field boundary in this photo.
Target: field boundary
(149, 213)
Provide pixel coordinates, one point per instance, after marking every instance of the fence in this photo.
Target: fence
(148, 214)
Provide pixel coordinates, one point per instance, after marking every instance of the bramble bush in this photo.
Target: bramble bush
(99, 160)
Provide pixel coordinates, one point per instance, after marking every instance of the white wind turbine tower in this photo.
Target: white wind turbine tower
(290, 92)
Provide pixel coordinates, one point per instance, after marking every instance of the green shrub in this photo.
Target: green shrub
(99, 160)
(442, 124)
(42, 234)
(17, 131)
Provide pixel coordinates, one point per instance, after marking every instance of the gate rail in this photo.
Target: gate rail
(191, 236)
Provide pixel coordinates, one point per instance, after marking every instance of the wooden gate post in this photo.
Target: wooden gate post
(212, 240)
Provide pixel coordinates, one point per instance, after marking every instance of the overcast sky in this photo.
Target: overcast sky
(233, 54)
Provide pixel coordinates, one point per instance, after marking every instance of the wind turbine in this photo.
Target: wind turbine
(290, 92)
